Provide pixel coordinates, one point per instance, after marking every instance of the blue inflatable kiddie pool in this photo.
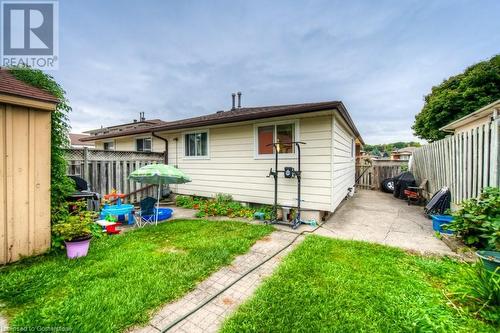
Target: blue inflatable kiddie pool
(163, 214)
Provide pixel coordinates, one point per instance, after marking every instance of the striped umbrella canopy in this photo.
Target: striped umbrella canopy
(159, 174)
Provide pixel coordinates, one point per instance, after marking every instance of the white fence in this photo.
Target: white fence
(466, 162)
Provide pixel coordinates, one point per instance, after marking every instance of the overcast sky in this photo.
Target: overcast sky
(177, 59)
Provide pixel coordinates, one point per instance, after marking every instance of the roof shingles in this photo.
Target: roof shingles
(12, 86)
(237, 115)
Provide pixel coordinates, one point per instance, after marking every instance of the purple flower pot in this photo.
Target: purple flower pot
(77, 248)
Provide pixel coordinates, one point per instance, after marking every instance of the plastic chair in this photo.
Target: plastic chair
(147, 213)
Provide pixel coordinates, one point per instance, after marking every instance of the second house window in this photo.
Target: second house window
(283, 134)
(143, 144)
(196, 144)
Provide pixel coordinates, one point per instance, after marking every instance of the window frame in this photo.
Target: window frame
(109, 141)
(144, 138)
(256, 126)
(202, 157)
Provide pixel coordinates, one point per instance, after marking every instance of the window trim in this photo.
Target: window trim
(109, 141)
(256, 126)
(142, 138)
(205, 157)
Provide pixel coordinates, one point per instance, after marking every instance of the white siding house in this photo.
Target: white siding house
(228, 153)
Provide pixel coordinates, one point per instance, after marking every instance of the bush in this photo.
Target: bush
(477, 223)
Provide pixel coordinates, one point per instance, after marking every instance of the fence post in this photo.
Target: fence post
(495, 147)
(86, 164)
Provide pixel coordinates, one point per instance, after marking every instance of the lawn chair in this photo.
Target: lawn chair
(147, 213)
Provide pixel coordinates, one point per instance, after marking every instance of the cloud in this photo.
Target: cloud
(175, 59)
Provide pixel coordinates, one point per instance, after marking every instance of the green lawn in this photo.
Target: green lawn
(123, 278)
(330, 285)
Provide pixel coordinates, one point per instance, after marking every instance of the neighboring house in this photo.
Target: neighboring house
(403, 154)
(76, 143)
(228, 152)
(144, 143)
(477, 118)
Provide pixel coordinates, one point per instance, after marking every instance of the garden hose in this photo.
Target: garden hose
(178, 320)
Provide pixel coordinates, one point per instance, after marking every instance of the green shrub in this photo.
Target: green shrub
(223, 198)
(478, 220)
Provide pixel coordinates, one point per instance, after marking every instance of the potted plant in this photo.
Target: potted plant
(76, 230)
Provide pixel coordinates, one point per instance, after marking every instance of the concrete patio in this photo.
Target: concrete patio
(378, 217)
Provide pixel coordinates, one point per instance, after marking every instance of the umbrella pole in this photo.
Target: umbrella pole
(158, 204)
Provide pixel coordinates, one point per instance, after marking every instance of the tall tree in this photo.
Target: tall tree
(458, 96)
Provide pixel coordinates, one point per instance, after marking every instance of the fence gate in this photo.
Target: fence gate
(105, 170)
(371, 173)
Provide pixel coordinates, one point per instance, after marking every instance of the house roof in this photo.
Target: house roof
(241, 114)
(75, 139)
(12, 86)
(143, 123)
(482, 112)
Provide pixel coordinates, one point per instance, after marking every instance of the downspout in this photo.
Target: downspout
(165, 153)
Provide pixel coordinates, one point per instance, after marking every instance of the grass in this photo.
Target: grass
(328, 285)
(123, 278)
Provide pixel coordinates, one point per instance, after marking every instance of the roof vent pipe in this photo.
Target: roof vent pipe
(233, 95)
(239, 99)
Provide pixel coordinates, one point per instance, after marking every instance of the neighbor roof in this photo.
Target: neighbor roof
(143, 123)
(482, 112)
(12, 86)
(240, 114)
(76, 137)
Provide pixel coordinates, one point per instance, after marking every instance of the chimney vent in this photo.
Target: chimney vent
(233, 95)
(239, 99)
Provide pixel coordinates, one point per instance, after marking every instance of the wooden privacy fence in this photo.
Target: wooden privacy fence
(105, 170)
(377, 171)
(466, 162)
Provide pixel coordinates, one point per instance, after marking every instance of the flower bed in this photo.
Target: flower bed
(221, 205)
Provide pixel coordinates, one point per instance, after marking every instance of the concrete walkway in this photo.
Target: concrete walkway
(380, 218)
(210, 316)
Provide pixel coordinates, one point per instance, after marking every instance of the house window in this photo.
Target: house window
(196, 144)
(279, 133)
(143, 144)
(110, 145)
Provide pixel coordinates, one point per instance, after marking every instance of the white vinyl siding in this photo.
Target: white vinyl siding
(343, 160)
(233, 169)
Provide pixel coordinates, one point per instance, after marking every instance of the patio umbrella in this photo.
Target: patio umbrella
(159, 174)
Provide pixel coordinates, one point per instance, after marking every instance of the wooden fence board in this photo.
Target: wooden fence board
(105, 170)
(377, 171)
(465, 162)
